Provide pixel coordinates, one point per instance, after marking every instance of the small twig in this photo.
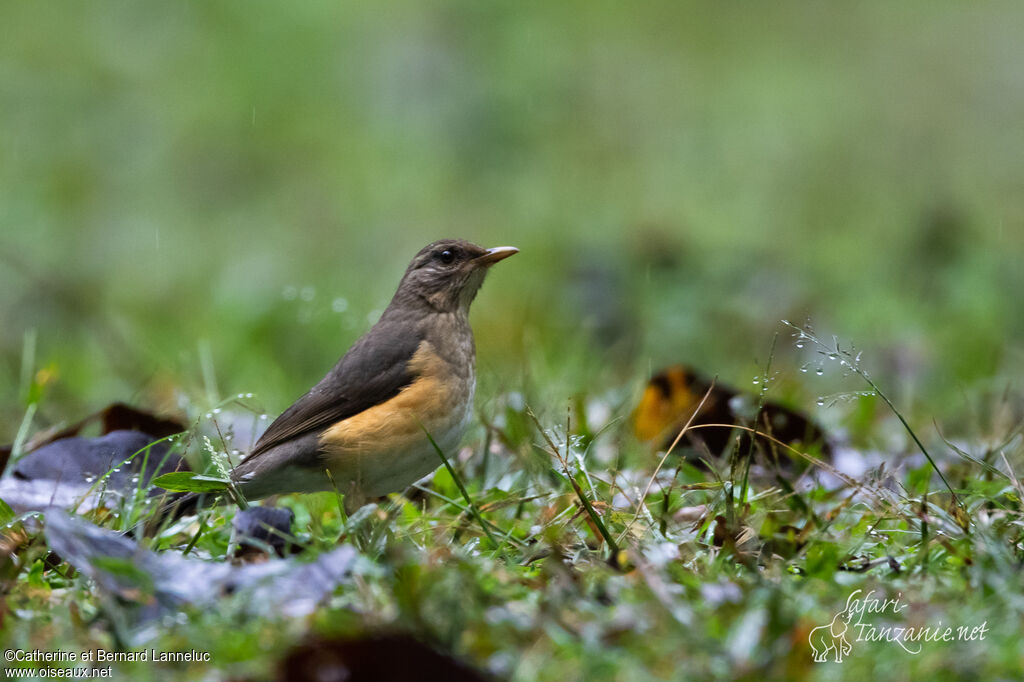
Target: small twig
(868, 565)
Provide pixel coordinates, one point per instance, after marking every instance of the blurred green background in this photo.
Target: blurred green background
(240, 185)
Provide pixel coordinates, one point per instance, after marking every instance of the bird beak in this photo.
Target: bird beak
(496, 254)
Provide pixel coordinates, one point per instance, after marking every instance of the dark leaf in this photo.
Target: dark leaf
(672, 396)
(372, 658)
(61, 473)
(114, 417)
(157, 584)
(258, 528)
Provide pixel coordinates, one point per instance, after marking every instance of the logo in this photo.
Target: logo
(868, 619)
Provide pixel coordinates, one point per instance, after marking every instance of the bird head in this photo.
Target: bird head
(446, 274)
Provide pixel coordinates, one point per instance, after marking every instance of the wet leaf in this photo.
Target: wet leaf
(77, 470)
(158, 584)
(190, 482)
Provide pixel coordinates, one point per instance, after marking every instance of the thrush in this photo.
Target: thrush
(363, 429)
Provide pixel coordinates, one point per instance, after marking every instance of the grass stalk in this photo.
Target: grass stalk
(587, 506)
(462, 489)
(852, 362)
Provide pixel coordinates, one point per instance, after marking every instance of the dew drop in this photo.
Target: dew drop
(263, 417)
(289, 293)
(799, 344)
(339, 305)
(216, 410)
(819, 371)
(307, 293)
(248, 395)
(820, 402)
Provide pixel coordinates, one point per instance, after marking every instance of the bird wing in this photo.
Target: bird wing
(374, 370)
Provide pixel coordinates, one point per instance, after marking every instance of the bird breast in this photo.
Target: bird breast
(385, 448)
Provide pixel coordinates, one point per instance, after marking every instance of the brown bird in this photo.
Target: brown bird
(367, 421)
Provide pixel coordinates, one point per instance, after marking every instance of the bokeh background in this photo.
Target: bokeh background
(199, 199)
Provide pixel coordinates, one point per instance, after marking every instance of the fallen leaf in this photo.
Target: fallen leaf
(258, 531)
(63, 472)
(153, 585)
(672, 396)
(371, 659)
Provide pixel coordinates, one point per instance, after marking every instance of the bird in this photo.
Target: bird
(363, 429)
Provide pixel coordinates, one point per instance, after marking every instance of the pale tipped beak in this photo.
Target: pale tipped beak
(496, 254)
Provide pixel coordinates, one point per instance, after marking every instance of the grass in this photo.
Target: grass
(190, 213)
(577, 555)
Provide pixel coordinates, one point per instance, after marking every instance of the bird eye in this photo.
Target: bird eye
(447, 256)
